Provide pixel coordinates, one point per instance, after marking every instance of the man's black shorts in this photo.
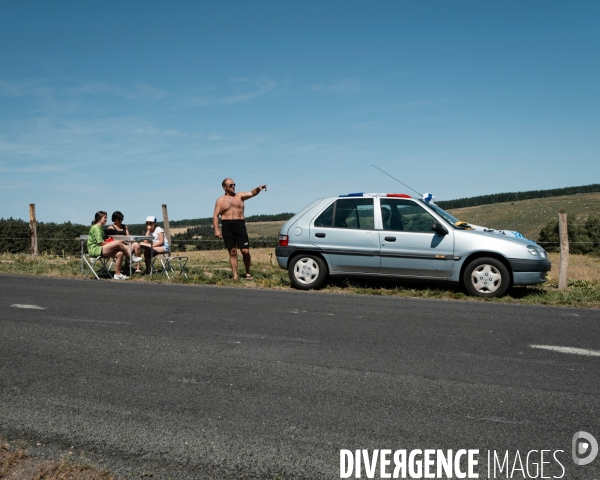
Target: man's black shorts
(235, 234)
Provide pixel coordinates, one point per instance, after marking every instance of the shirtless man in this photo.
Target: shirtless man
(231, 208)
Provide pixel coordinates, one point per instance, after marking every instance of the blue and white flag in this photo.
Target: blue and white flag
(428, 198)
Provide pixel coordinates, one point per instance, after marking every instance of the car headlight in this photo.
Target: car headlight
(536, 251)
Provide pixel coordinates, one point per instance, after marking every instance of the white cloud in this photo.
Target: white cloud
(29, 88)
(345, 85)
(257, 88)
(241, 90)
(138, 91)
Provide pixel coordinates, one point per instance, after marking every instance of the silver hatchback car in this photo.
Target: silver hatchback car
(397, 236)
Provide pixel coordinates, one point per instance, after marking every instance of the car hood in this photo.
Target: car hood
(507, 234)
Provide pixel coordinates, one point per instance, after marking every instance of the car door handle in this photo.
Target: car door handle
(390, 239)
(320, 235)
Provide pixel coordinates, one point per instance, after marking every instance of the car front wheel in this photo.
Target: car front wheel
(486, 277)
(307, 272)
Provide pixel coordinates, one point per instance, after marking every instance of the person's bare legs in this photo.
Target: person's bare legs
(147, 251)
(109, 249)
(246, 258)
(116, 250)
(233, 262)
(118, 262)
(136, 251)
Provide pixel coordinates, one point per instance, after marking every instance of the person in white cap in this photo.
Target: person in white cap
(159, 244)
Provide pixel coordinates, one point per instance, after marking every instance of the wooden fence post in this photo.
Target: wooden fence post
(166, 222)
(563, 269)
(33, 230)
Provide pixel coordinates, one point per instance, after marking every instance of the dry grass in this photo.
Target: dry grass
(16, 464)
(264, 229)
(581, 268)
(255, 229)
(178, 230)
(259, 255)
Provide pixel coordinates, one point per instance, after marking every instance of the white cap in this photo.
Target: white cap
(151, 219)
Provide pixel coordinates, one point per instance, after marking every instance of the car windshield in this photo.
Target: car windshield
(444, 214)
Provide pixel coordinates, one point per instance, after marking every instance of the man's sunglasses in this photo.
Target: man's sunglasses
(231, 185)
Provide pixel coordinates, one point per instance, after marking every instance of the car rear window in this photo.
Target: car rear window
(357, 213)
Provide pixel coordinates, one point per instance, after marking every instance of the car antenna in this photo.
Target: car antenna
(397, 180)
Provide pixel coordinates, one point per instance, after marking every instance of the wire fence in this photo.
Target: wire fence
(68, 247)
(62, 239)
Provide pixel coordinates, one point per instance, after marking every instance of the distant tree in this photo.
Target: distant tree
(583, 239)
(15, 237)
(140, 228)
(516, 196)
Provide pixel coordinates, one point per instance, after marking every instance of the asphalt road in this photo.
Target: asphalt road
(220, 383)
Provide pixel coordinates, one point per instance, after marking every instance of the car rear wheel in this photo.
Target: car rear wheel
(307, 272)
(486, 277)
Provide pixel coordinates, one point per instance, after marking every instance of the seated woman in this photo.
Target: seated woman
(97, 246)
(160, 244)
(117, 228)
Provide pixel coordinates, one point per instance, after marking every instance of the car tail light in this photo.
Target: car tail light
(283, 240)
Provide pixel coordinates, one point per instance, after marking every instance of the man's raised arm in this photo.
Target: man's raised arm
(216, 219)
(253, 193)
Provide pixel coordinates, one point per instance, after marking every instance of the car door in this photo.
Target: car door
(409, 247)
(345, 231)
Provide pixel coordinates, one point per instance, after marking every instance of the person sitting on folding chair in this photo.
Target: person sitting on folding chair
(159, 245)
(118, 228)
(99, 247)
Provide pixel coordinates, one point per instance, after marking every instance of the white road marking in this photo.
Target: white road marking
(85, 320)
(570, 350)
(31, 307)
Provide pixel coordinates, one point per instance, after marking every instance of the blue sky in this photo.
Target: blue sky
(129, 105)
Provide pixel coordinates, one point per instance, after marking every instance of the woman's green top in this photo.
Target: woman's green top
(95, 238)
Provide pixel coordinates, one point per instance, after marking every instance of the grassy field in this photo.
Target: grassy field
(212, 268)
(530, 216)
(264, 229)
(255, 229)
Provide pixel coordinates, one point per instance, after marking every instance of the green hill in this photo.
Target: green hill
(530, 216)
(516, 196)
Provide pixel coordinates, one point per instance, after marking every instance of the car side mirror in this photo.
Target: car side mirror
(439, 228)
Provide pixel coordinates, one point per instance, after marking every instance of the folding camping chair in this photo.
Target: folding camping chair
(170, 264)
(105, 264)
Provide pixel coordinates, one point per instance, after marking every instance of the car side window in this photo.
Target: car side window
(405, 215)
(356, 213)
(326, 218)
